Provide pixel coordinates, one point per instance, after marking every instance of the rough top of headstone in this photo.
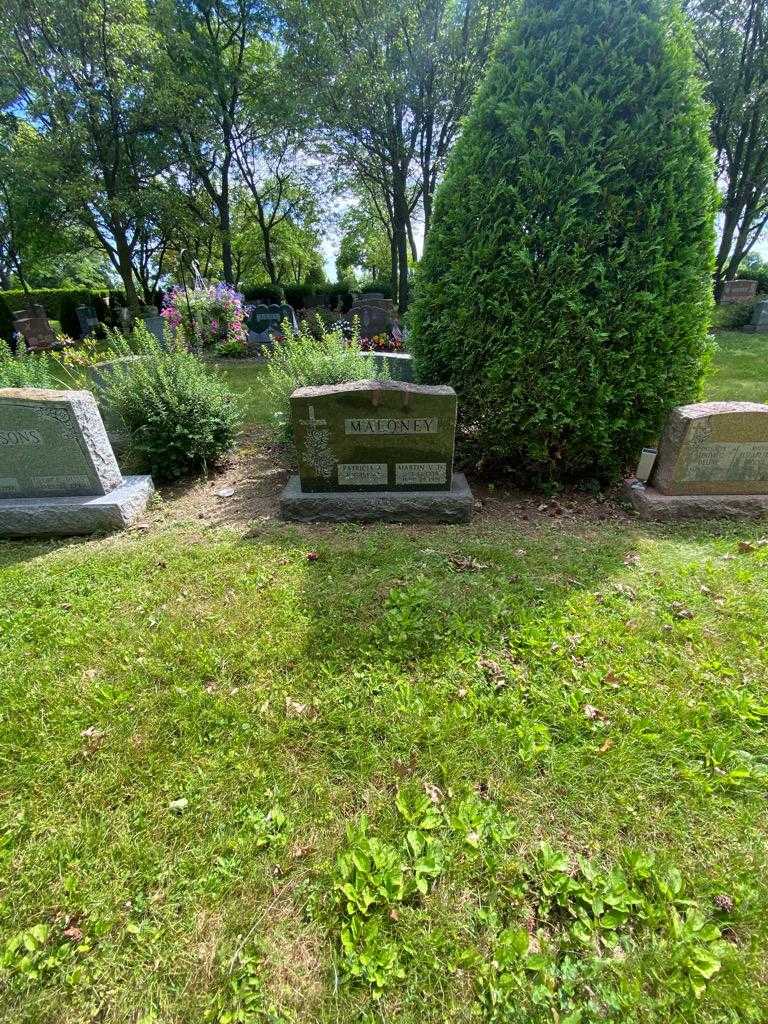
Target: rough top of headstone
(353, 387)
(53, 444)
(699, 410)
(714, 448)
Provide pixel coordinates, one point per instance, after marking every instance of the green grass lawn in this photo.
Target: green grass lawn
(740, 370)
(508, 773)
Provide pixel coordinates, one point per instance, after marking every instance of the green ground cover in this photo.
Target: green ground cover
(514, 772)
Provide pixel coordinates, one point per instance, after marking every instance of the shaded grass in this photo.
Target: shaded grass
(601, 688)
(237, 675)
(740, 368)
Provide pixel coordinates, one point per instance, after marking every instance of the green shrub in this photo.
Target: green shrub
(759, 274)
(179, 413)
(59, 304)
(579, 205)
(732, 315)
(25, 369)
(312, 357)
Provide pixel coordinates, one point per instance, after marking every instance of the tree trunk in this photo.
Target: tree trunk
(225, 225)
(400, 235)
(125, 269)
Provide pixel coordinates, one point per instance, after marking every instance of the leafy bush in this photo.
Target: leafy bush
(59, 304)
(732, 315)
(25, 369)
(759, 274)
(312, 357)
(179, 413)
(579, 205)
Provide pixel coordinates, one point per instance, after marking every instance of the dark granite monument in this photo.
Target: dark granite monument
(33, 324)
(58, 473)
(712, 461)
(375, 450)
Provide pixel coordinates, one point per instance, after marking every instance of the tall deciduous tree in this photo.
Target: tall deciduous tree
(389, 81)
(85, 72)
(732, 46)
(215, 46)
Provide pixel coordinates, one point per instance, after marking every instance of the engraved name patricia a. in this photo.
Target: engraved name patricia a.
(21, 438)
(392, 425)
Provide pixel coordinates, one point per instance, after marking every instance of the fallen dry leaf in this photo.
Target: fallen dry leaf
(294, 709)
(73, 934)
(746, 547)
(434, 794)
(680, 611)
(468, 564)
(606, 746)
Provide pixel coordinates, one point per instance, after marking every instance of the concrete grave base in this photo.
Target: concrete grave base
(72, 516)
(651, 504)
(454, 506)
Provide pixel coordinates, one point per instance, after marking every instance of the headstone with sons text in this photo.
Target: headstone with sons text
(375, 450)
(58, 472)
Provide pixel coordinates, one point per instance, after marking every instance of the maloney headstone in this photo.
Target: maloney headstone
(373, 450)
(58, 473)
(712, 461)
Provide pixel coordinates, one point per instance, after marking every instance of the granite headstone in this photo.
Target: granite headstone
(374, 319)
(712, 460)
(740, 290)
(58, 472)
(759, 324)
(375, 450)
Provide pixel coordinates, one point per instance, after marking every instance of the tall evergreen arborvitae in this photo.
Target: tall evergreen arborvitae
(565, 288)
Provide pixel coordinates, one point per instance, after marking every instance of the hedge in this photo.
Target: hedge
(59, 304)
(565, 289)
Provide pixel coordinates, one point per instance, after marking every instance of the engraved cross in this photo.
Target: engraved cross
(312, 423)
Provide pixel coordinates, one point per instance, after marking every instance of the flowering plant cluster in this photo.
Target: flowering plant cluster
(209, 317)
(382, 343)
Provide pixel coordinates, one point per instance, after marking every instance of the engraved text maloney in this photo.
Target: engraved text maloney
(392, 425)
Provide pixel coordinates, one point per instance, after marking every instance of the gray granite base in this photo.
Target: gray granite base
(454, 506)
(651, 504)
(68, 517)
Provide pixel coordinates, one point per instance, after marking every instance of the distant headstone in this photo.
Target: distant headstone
(87, 319)
(58, 473)
(374, 319)
(265, 318)
(156, 326)
(740, 290)
(399, 364)
(712, 460)
(375, 450)
(759, 323)
(33, 324)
